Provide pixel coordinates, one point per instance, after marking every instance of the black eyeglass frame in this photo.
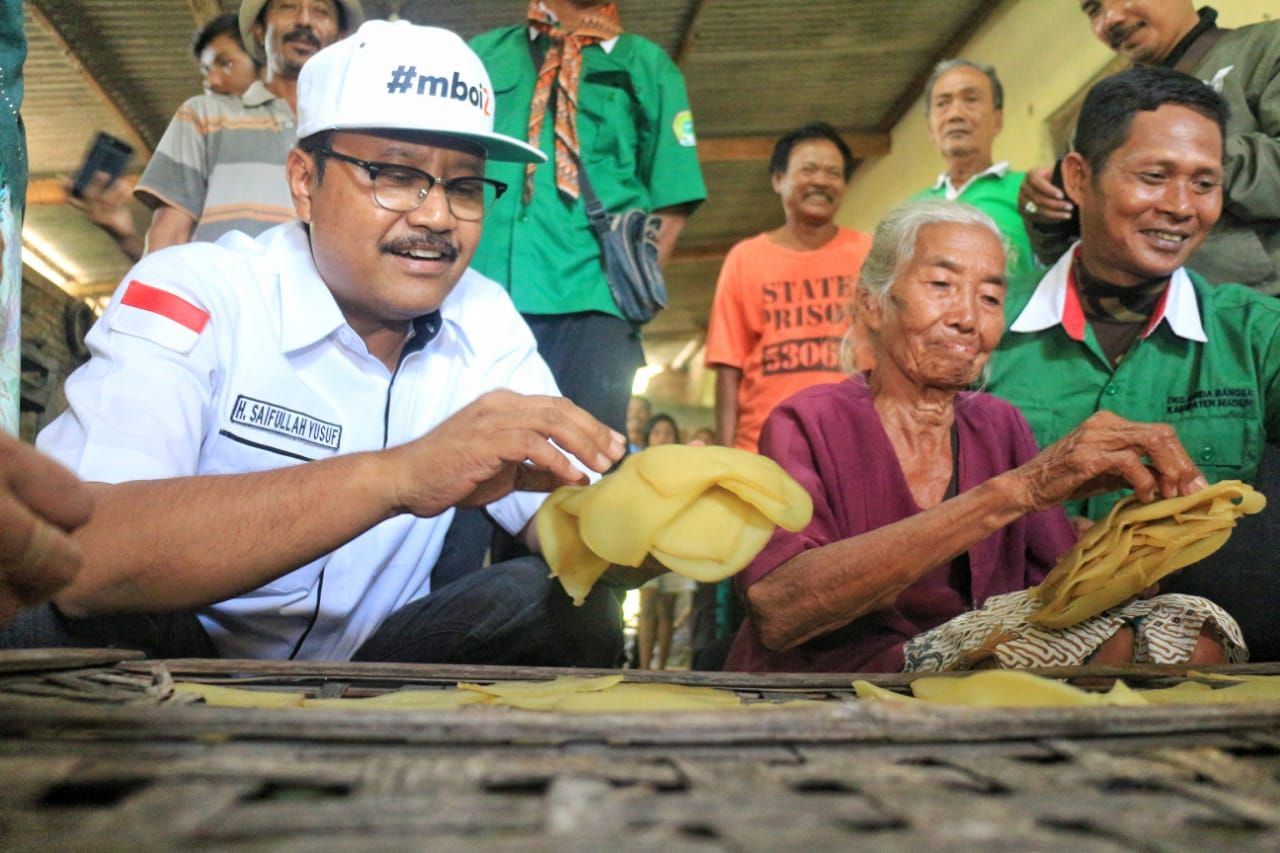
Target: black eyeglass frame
(374, 167)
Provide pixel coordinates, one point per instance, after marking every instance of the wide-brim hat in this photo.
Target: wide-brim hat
(251, 9)
(402, 77)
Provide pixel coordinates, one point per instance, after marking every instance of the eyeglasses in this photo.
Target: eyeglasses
(402, 189)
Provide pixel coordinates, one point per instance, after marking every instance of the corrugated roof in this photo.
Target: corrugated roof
(755, 69)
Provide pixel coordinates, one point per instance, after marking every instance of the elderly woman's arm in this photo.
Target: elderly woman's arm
(821, 589)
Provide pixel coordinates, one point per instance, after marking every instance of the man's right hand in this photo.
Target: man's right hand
(500, 443)
(105, 203)
(41, 503)
(1040, 202)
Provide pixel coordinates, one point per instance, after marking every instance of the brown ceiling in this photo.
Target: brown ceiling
(755, 68)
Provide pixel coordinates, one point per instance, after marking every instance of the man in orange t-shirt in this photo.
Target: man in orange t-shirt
(781, 304)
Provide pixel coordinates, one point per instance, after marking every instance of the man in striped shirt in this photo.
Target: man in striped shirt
(220, 165)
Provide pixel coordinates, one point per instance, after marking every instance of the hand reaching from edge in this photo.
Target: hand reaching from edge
(41, 503)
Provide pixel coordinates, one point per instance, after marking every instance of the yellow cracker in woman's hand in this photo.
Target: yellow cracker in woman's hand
(1136, 546)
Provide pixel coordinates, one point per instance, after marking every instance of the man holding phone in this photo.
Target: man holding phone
(225, 68)
(1242, 65)
(220, 165)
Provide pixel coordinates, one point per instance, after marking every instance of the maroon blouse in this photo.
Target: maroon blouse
(830, 439)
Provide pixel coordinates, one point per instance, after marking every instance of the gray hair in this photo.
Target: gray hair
(894, 247)
(997, 89)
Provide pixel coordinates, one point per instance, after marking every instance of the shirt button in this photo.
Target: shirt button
(1206, 453)
(1110, 391)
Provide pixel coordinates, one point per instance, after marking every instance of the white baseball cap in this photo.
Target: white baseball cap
(398, 76)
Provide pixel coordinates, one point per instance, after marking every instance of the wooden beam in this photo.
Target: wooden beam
(735, 149)
(131, 130)
(53, 190)
(700, 252)
(92, 289)
(689, 33)
(204, 11)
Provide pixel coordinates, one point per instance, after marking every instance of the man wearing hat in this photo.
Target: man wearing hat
(219, 165)
(279, 429)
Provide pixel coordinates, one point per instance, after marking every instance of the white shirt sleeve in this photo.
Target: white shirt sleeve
(138, 408)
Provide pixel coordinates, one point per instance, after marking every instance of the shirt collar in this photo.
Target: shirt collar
(464, 310)
(257, 94)
(308, 311)
(1055, 303)
(997, 170)
(1208, 21)
(607, 45)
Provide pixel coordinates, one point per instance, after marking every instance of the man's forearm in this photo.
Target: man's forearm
(728, 379)
(673, 222)
(169, 227)
(157, 545)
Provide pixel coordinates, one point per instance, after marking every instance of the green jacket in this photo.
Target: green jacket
(1244, 65)
(1209, 367)
(636, 135)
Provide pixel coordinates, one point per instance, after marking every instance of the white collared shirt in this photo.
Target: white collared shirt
(275, 377)
(1055, 303)
(952, 193)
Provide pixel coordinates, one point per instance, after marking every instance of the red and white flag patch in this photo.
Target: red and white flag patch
(159, 316)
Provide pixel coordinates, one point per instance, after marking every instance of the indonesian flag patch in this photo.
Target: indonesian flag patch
(159, 316)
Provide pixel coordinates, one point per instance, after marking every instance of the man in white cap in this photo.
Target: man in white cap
(220, 165)
(279, 429)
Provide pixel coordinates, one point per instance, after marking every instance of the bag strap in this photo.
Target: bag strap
(596, 212)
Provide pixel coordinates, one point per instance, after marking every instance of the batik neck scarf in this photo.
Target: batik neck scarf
(1102, 300)
(1117, 314)
(562, 67)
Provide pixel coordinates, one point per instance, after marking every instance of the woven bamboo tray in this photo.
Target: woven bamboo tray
(96, 754)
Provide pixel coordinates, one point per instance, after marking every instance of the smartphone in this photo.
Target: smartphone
(106, 154)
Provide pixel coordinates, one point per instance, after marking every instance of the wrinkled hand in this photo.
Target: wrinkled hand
(40, 504)
(105, 204)
(1051, 203)
(500, 443)
(1105, 453)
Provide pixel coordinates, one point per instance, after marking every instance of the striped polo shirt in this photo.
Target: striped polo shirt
(221, 160)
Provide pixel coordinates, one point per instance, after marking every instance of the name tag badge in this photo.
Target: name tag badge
(259, 414)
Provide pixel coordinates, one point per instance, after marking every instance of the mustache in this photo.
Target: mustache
(1119, 34)
(429, 242)
(302, 33)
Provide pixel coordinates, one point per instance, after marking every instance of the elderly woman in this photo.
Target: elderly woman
(930, 500)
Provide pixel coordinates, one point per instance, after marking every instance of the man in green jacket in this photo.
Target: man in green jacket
(612, 105)
(1243, 65)
(1120, 325)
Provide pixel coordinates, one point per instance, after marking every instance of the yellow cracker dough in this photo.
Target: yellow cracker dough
(402, 700)
(638, 698)
(539, 695)
(703, 512)
(1137, 545)
(1252, 688)
(1001, 688)
(234, 697)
